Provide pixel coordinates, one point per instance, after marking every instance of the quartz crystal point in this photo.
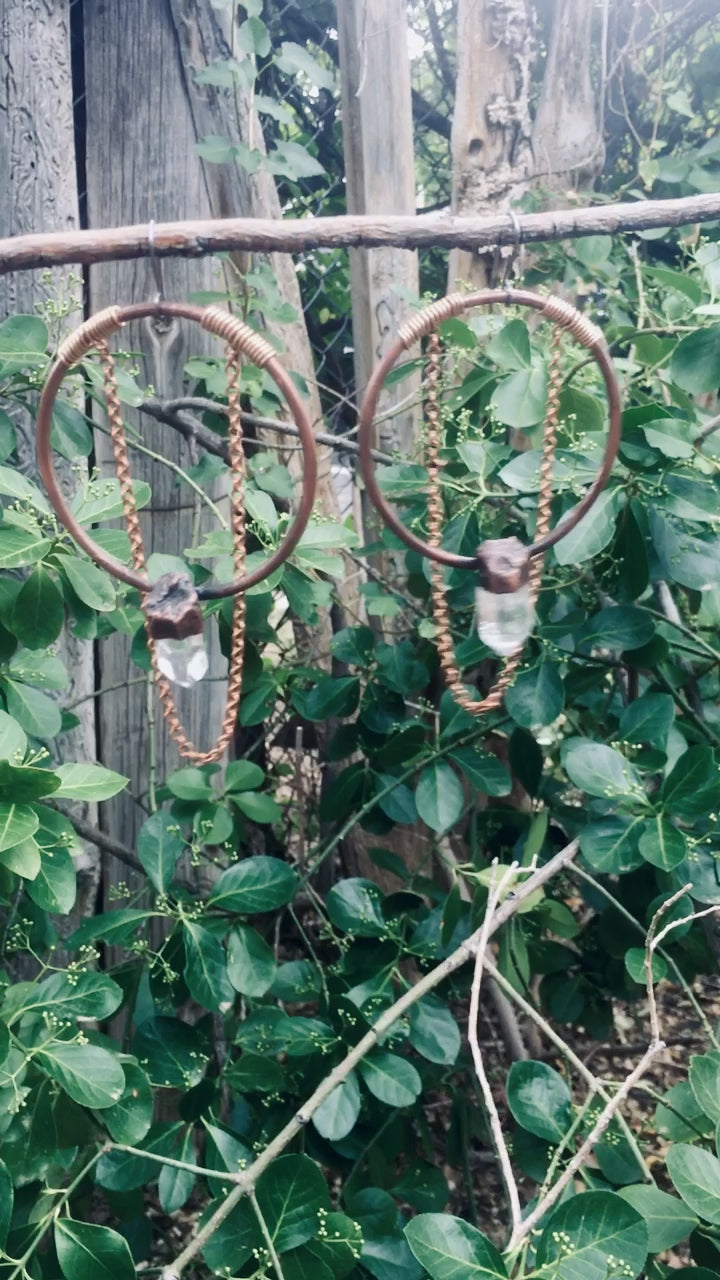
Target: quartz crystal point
(505, 609)
(182, 661)
(504, 620)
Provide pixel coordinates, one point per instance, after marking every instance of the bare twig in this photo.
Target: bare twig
(498, 884)
(172, 413)
(595, 1085)
(246, 1180)
(196, 239)
(531, 1221)
(106, 843)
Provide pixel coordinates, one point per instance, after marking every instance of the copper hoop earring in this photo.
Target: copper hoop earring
(506, 568)
(171, 605)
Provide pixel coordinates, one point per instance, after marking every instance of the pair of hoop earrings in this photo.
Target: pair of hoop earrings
(508, 572)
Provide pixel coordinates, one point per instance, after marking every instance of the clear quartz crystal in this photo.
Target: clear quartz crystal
(504, 619)
(182, 661)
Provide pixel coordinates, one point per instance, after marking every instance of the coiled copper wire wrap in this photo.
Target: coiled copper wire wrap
(435, 520)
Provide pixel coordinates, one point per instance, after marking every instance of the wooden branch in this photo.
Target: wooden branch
(120, 851)
(267, 235)
(171, 412)
(246, 1180)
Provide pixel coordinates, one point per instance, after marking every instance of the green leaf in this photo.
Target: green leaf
(39, 611)
(233, 1241)
(17, 822)
(620, 626)
(257, 807)
(89, 782)
(593, 534)
(667, 1220)
(24, 859)
(91, 584)
(335, 1118)
(295, 58)
(539, 1100)
(584, 1231)
(537, 696)
(173, 1053)
(7, 1196)
(390, 1078)
(23, 343)
(77, 995)
(89, 1252)
(255, 1073)
(695, 362)
(450, 1249)
(175, 1186)
(695, 1175)
(23, 783)
(704, 1077)
(434, 1033)
(439, 796)
(678, 1116)
(254, 885)
(19, 547)
(635, 966)
(648, 719)
(693, 562)
(672, 436)
(243, 775)
(13, 484)
(483, 771)
(519, 400)
(129, 1119)
(159, 847)
(8, 438)
(69, 432)
(329, 698)
(355, 906)
(691, 787)
(102, 500)
(290, 1195)
(89, 1074)
(189, 784)
(661, 844)
(13, 740)
(54, 888)
(251, 963)
(205, 968)
(510, 348)
(44, 670)
(599, 770)
(33, 710)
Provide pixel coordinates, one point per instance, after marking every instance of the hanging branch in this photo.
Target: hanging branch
(268, 235)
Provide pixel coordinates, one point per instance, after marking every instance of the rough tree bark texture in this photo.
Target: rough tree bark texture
(141, 163)
(204, 35)
(491, 153)
(39, 192)
(567, 136)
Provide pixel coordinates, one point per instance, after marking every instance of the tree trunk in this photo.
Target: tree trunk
(567, 136)
(490, 142)
(380, 178)
(39, 193)
(142, 164)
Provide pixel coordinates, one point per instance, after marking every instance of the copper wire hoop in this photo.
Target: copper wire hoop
(562, 314)
(244, 341)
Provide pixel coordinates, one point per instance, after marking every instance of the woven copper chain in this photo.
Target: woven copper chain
(237, 468)
(441, 613)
